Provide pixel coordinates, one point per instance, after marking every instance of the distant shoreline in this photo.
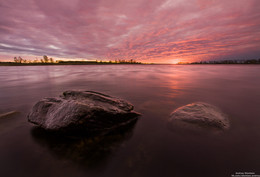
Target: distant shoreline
(66, 63)
(246, 62)
(216, 62)
(70, 64)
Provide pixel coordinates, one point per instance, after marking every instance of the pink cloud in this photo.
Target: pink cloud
(145, 30)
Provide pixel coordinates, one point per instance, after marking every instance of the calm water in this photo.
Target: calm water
(148, 148)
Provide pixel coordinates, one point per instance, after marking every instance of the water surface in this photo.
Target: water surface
(147, 148)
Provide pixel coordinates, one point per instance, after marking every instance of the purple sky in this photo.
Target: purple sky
(164, 31)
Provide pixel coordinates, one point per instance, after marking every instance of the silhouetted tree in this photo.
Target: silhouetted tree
(15, 60)
(51, 60)
(45, 58)
(20, 60)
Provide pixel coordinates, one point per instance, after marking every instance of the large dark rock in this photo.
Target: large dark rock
(80, 111)
(198, 116)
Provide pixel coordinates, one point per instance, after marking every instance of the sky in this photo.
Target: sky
(159, 31)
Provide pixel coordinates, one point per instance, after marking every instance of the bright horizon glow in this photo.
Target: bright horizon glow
(148, 31)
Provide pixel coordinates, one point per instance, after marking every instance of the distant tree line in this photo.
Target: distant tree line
(249, 61)
(100, 62)
(45, 59)
(50, 61)
(124, 61)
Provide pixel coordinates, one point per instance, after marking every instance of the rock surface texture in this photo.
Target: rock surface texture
(80, 111)
(199, 115)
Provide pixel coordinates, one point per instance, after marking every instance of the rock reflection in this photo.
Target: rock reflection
(90, 151)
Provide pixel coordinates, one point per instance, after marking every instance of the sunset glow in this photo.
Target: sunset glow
(163, 31)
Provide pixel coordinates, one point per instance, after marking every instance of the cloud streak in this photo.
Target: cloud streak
(144, 30)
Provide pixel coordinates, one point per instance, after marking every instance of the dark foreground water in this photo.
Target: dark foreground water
(148, 148)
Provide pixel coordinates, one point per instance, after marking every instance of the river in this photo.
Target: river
(147, 149)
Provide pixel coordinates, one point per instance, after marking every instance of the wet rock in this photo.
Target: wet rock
(80, 111)
(198, 116)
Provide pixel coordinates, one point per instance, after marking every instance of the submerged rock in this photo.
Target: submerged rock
(88, 152)
(78, 111)
(198, 115)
